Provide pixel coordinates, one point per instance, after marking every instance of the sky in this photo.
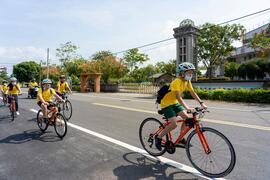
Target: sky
(28, 27)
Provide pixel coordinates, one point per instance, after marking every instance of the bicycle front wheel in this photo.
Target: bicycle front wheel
(219, 161)
(67, 109)
(149, 128)
(40, 122)
(60, 125)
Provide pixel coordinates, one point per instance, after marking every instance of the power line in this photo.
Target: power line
(168, 39)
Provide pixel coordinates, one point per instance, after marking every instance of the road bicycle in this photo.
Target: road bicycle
(207, 149)
(12, 107)
(66, 107)
(55, 119)
(4, 98)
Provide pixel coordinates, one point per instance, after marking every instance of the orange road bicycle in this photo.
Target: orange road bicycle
(55, 119)
(208, 150)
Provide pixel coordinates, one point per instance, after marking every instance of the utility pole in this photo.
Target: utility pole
(47, 63)
(40, 72)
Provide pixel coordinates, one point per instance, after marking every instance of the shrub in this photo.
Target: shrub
(236, 95)
(76, 88)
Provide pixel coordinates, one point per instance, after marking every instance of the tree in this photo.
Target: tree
(3, 76)
(231, 69)
(72, 67)
(67, 52)
(110, 68)
(215, 43)
(133, 58)
(101, 55)
(169, 67)
(143, 74)
(261, 42)
(26, 70)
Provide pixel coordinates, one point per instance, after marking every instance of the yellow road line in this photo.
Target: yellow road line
(251, 126)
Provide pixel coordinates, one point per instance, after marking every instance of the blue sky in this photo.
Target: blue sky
(28, 27)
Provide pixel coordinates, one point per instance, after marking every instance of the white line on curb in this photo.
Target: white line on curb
(138, 150)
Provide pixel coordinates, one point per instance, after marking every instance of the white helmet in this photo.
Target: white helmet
(185, 66)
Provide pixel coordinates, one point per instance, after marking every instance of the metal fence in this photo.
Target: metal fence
(138, 88)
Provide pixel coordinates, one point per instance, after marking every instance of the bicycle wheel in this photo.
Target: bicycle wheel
(67, 109)
(12, 113)
(60, 125)
(40, 122)
(221, 159)
(149, 128)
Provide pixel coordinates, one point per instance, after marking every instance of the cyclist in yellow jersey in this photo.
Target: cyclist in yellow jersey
(173, 105)
(44, 97)
(32, 86)
(13, 91)
(62, 86)
(4, 89)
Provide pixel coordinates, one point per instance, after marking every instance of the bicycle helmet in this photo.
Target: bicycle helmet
(62, 77)
(185, 66)
(46, 81)
(4, 81)
(13, 79)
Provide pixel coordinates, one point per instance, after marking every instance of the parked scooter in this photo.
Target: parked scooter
(32, 93)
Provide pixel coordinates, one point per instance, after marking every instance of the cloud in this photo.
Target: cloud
(29, 52)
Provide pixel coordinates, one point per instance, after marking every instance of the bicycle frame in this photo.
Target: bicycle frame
(202, 137)
(12, 105)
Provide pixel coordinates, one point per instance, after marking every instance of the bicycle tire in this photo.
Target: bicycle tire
(141, 137)
(228, 143)
(40, 123)
(60, 135)
(63, 109)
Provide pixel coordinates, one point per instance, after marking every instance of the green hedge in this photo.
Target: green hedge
(237, 95)
(76, 88)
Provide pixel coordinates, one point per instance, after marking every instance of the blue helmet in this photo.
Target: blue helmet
(185, 66)
(46, 81)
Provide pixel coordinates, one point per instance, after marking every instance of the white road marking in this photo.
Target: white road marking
(138, 150)
(251, 126)
(153, 102)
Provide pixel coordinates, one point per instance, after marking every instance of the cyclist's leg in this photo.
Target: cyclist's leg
(16, 102)
(171, 115)
(44, 110)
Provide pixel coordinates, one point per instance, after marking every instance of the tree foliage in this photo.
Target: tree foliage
(67, 52)
(169, 67)
(215, 43)
(133, 58)
(231, 69)
(110, 68)
(261, 42)
(143, 74)
(25, 71)
(101, 55)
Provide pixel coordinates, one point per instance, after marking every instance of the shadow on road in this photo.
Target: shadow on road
(29, 135)
(141, 167)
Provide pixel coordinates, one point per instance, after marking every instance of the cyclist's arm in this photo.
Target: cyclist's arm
(58, 97)
(69, 88)
(41, 99)
(181, 101)
(20, 91)
(195, 96)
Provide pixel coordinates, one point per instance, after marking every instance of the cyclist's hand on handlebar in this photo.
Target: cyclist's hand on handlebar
(191, 110)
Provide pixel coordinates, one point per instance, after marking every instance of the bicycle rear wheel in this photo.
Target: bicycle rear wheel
(67, 109)
(40, 122)
(149, 128)
(221, 159)
(60, 125)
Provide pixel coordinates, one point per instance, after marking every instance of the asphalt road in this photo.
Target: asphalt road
(102, 141)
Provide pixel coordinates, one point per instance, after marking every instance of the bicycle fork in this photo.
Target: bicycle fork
(203, 140)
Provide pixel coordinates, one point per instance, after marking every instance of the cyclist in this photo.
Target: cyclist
(4, 90)
(44, 98)
(32, 86)
(62, 86)
(13, 91)
(173, 105)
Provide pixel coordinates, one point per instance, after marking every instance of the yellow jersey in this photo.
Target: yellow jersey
(47, 95)
(33, 84)
(4, 88)
(14, 90)
(63, 86)
(176, 85)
